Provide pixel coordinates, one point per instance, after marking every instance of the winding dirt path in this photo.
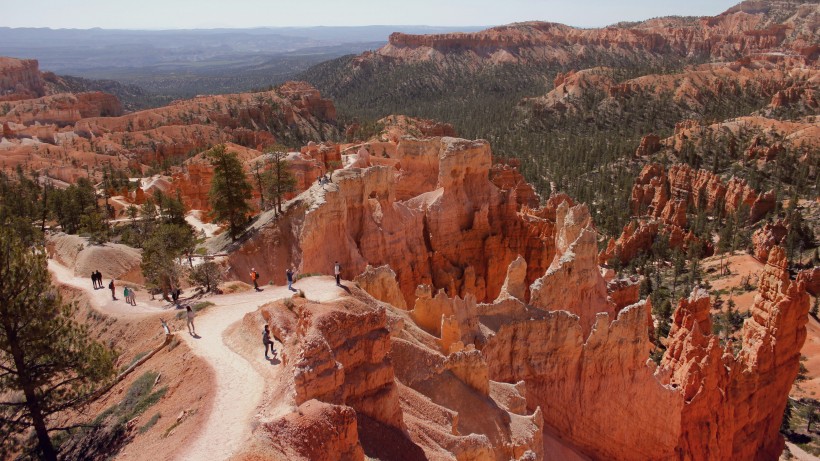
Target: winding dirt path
(239, 386)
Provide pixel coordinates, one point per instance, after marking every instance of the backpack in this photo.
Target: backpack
(111, 284)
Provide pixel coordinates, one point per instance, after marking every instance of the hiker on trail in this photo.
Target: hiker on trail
(337, 270)
(99, 281)
(165, 327)
(289, 274)
(267, 342)
(94, 280)
(190, 314)
(255, 278)
(127, 295)
(113, 288)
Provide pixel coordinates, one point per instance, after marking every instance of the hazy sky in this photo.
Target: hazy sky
(187, 14)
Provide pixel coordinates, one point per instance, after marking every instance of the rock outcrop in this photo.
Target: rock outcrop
(317, 431)
(20, 79)
(573, 281)
(380, 283)
(341, 355)
(767, 237)
(434, 217)
(661, 199)
(739, 397)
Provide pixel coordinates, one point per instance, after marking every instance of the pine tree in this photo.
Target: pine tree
(208, 274)
(167, 243)
(280, 180)
(230, 191)
(48, 362)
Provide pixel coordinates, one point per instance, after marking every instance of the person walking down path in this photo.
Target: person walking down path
(255, 278)
(99, 280)
(337, 271)
(266, 341)
(289, 274)
(113, 288)
(127, 295)
(94, 279)
(190, 314)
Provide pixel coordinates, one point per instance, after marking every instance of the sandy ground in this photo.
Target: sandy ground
(740, 266)
(811, 350)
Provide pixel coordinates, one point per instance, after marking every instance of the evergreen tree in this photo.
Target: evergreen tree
(280, 180)
(48, 362)
(230, 191)
(161, 251)
(208, 274)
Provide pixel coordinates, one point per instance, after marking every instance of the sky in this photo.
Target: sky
(188, 14)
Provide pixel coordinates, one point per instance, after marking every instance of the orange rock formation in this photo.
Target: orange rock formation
(662, 199)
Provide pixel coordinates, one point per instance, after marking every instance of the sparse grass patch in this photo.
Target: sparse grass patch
(309, 274)
(149, 424)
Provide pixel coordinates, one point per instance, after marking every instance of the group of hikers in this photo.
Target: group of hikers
(324, 179)
(290, 273)
(128, 293)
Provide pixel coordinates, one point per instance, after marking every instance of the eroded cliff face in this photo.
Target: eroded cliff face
(20, 79)
(364, 377)
(734, 402)
(431, 214)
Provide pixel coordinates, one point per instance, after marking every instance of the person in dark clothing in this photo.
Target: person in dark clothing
(99, 280)
(113, 290)
(289, 274)
(94, 279)
(266, 341)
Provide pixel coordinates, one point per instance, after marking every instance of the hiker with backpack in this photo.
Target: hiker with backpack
(337, 270)
(113, 288)
(289, 274)
(255, 278)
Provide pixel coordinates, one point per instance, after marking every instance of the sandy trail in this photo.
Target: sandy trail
(239, 387)
(799, 454)
(101, 298)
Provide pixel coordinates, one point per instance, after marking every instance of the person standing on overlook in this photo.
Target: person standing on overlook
(289, 274)
(337, 271)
